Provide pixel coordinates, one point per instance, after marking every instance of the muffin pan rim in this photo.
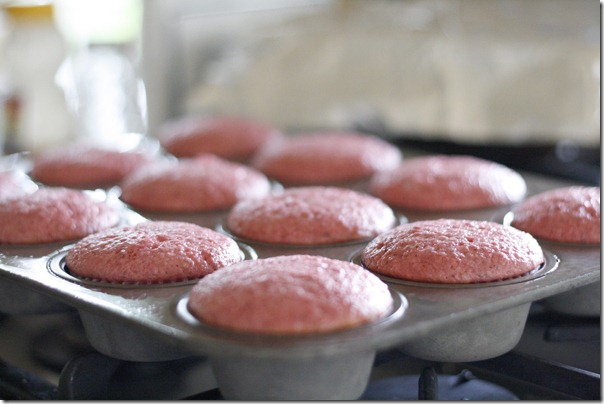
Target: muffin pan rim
(56, 265)
(400, 305)
(551, 264)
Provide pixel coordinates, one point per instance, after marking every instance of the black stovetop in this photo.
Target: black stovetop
(565, 160)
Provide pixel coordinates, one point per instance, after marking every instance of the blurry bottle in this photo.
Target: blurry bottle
(100, 76)
(35, 113)
(103, 91)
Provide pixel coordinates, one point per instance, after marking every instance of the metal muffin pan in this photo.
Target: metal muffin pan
(423, 312)
(158, 314)
(16, 298)
(581, 301)
(123, 341)
(477, 338)
(337, 375)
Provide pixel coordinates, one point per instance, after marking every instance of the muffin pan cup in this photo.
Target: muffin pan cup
(122, 341)
(473, 339)
(128, 343)
(19, 299)
(16, 299)
(333, 377)
(422, 312)
(478, 337)
(276, 367)
(583, 301)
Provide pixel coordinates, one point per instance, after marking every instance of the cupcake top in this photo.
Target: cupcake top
(448, 183)
(202, 184)
(230, 137)
(569, 215)
(52, 215)
(453, 251)
(85, 166)
(325, 158)
(311, 216)
(152, 252)
(294, 294)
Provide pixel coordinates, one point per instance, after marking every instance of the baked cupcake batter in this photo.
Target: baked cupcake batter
(446, 183)
(293, 294)
(325, 158)
(152, 252)
(52, 215)
(82, 166)
(453, 251)
(202, 184)
(311, 216)
(570, 215)
(231, 137)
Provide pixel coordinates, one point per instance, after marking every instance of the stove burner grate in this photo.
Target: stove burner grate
(87, 374)
(430, 386)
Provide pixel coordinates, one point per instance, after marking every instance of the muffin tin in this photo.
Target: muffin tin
(150, 322)
(16, 298)
(476, 338)
(582, 301)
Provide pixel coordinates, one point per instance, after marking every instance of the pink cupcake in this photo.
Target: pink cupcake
(448, 183)
(325, 158)
(453, 251)
(203, 184)
(568, 215)
(85, 166)
(286, 295)
(52, 215)
(152, 252)
(230, 137)
(311, 216)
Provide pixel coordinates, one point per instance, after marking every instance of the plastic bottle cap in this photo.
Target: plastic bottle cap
(29, 12)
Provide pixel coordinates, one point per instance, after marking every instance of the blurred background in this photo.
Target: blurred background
(498, 72)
